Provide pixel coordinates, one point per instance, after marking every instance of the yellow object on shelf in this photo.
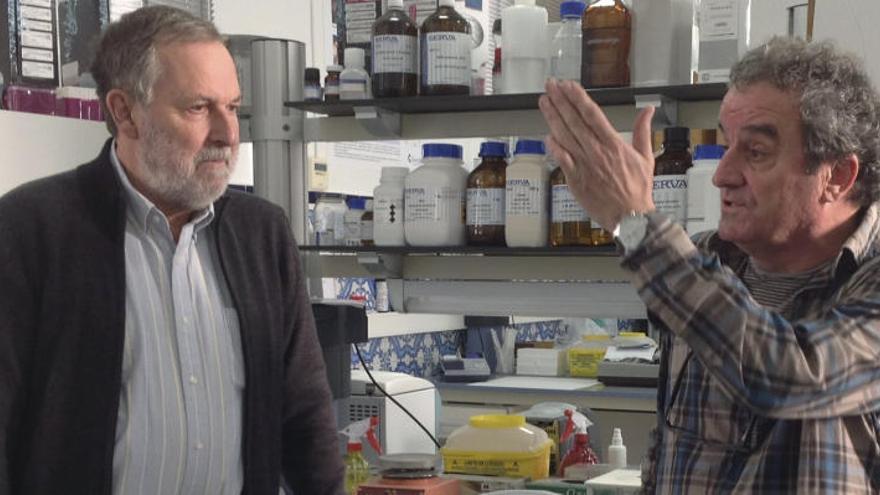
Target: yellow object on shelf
(584, 358)
(498, 445)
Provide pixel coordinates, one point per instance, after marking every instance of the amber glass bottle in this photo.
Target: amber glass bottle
(670, 174)
(569, 223)
(446, 44)
(395, 43)
(485, 197)
(607, 28)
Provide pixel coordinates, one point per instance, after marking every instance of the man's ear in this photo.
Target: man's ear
(121, 107)
(842, 178)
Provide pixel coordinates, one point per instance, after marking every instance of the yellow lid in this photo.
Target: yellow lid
(497, 421)
(632, 334)
(594, 338)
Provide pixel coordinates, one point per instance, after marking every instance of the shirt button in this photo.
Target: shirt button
(200, 446)
(193, 379)
(186, 320)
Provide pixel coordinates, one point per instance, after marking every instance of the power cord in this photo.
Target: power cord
(398, 404)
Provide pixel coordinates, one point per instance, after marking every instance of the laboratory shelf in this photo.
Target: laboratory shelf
(467, 250)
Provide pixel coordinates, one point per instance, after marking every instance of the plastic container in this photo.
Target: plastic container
(388, 214)
(498, 445)
(670, 174)
(354, 82)
(724, 27)
(367, 224)
(434, 198)
(485, 197)
(357, 470)
(565, 63)
(445, 42)
(584, 357)
(331, 83)
(617, 450)
(330, 220)
(580, 453)
(352, 221)
(395, 45)
(524, 54)
(703, 198)
(526, 221)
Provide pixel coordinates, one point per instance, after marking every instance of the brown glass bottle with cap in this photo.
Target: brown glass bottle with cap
(395, 43)
(485, 197)
(670, 169)
(569, 223)
(607, 28)
(445, 44)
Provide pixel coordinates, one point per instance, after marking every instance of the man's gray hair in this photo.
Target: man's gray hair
(839, 108)
(127, 57)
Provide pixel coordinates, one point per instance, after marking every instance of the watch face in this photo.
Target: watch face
(632, 230)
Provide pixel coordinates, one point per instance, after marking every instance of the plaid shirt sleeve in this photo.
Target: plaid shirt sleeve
(819, 368)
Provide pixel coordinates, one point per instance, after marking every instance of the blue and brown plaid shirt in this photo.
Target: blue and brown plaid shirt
(755, 400)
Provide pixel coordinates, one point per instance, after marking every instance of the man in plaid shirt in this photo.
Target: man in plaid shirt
(771, 325)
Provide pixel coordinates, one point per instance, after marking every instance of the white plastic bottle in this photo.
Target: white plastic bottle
(524, 52)
(354, 82)
(567, 44)
(526, 222)
(434, 198)
(352, 221)
(703, 198)
(389, 208)
(617, 450)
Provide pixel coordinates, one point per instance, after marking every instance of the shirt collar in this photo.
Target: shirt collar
(142, 208)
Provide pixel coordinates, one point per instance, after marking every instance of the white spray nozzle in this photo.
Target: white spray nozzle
(365, 427)
(616, 437)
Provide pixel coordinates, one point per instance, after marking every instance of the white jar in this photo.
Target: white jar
(330, 220)
(354, 82)
(526, 219)
(703, 198)
(434, 198)
(353, 221)
(389, 207)
(525, 50)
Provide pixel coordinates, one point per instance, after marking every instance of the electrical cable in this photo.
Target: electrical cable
(386, 394)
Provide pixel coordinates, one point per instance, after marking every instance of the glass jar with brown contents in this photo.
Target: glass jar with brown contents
(485, 197)
(607, 28)
(446, 52)
(569, 223)
(395, 45)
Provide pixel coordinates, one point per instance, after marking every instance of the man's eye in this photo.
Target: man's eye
(198, 108)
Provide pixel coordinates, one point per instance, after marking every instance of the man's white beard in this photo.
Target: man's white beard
(176, 180)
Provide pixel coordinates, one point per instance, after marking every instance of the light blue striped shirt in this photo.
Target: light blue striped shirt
(180, 410)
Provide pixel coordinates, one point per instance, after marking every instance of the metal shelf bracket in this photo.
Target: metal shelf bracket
(378, 121)
(665, 108)
(382, 265)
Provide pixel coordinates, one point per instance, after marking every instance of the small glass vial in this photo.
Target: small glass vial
(485, 197)
(446, 52)
(331, 83)
(354, 82)
(367, 224)
(312, 86)
(569, 223)
(395, 43)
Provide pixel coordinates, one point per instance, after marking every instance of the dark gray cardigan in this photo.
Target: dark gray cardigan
(62, 321)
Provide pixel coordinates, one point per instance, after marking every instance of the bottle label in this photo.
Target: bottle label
(446, 59)
(388, 210)
(331, 88)
(366, 230)
(485, 206)
(670, 196)
(433, 204)
(526, 197)
(718, 20)
(312, 93)
(353, 87)
(565, 207)
(394, 53)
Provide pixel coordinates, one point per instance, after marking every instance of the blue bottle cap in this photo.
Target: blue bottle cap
(572, 8)
(441, 150)
(493, 148)
(529, 147)
(356, 202)
(708, 152)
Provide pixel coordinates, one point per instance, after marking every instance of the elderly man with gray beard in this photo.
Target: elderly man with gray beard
(155, 332)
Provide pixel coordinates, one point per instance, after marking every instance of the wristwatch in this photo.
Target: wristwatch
(630, 231)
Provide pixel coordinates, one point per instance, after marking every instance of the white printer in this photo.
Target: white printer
(397, 432)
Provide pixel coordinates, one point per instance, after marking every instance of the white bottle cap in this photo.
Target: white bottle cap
(446, 3)
(334, 68)
(354, 58)
(395, 4)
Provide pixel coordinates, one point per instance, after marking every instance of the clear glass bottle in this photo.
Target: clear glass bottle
(568, 42)
(395, 42)
(670, 174)
(354, 82)
(445, 42)
(485, 197)
(607, 27)
(569, 223)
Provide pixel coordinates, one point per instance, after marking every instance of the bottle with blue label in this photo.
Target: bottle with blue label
(526, 198)
(446, 52)
(670, 174)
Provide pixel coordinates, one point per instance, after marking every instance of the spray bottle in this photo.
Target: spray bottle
(580, 453)
(617, 450)
(356, 468)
